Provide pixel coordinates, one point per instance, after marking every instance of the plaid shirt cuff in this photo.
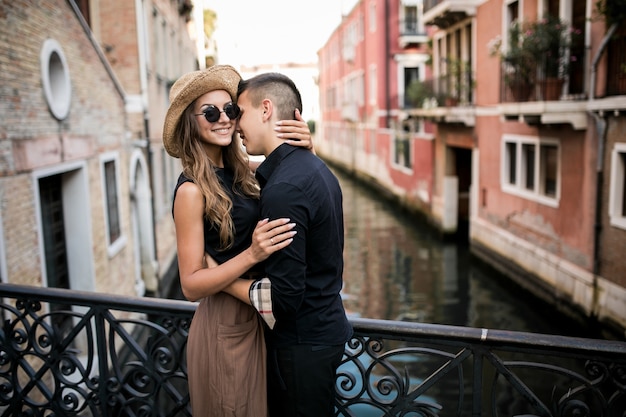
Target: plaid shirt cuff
(261, 299)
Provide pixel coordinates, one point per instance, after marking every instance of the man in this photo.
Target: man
(306, 343)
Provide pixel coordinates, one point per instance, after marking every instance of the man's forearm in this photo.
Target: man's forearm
(240, 289)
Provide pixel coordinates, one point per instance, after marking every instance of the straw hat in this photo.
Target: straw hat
(188, 88)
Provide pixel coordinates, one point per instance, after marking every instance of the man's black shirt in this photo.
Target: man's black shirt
(307, 275)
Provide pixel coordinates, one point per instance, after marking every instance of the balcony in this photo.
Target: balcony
(411, 33)
(446, 99)
(126, 356)
(542, 100)
(445, 13)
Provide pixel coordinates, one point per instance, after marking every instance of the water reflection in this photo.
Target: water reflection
(397, 269)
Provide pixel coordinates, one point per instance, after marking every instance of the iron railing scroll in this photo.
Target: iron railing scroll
(125, 356)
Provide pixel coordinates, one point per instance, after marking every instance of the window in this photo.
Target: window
(110, 180)
(353, 88)
(410, 20)
(372, 16)
(548, 170)
(349, 39)
(373, 93)
(512, 13)
(111, 201)
(528, 157)
(617, 187)
(410, 74)
(511, 157)
(530, 168)
(402, 147)
(55, 78)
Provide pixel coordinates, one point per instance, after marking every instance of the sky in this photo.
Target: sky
(252, 32)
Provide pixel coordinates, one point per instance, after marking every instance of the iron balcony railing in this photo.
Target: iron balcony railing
(529, 82)
(446, 91)
(125, 356)
(429, 4)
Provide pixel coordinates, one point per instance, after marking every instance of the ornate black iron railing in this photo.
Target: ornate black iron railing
(125, 356)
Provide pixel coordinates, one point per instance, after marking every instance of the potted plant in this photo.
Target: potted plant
(519, 64)
(541, 49)
(460, 82)
(549, 40)
(418, 91)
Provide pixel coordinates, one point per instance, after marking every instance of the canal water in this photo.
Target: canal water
(397, 268)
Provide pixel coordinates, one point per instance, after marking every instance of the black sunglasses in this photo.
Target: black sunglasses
(212, 114)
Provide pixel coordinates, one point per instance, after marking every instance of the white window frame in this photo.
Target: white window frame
(407, 166)
(373, 85)
(518, 188)
(55, 79)
(372, 16)
(113, 248)
(419, 27)
(616, 186)
(409, 61)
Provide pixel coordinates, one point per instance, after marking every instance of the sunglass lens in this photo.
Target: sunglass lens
(211, 114)
(231, 110)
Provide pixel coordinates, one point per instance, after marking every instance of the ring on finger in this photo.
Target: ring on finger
(272, 241)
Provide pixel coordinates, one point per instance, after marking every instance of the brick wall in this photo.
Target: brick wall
(33, 142)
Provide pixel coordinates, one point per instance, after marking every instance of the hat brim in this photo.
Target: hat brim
(188, 88)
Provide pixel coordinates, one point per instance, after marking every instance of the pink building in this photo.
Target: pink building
(365, 68)
(524, 145)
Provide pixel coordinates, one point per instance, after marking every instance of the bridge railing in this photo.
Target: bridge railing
(125, 356)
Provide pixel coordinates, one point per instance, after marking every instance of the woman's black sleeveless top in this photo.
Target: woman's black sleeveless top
(245, 214)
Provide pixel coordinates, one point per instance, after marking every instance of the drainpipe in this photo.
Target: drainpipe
(387, 65)
(600, 123)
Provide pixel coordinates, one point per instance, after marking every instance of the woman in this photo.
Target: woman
(215, 212)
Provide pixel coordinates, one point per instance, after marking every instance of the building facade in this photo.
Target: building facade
(524, 146)
(85, 188)
(365, 68)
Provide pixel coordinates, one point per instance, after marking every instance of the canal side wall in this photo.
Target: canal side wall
(417, 201)
(568, 287)
(411, 189)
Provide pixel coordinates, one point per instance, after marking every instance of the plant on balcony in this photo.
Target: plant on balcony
(518, 61)
(539, 48)
(459, 80)
(417, 92)
(549, 40)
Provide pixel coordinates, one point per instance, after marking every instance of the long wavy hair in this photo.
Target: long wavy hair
(201, 170)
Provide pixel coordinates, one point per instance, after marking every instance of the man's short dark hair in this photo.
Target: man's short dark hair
(277, 87)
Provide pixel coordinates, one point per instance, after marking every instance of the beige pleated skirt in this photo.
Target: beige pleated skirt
(226, 361)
